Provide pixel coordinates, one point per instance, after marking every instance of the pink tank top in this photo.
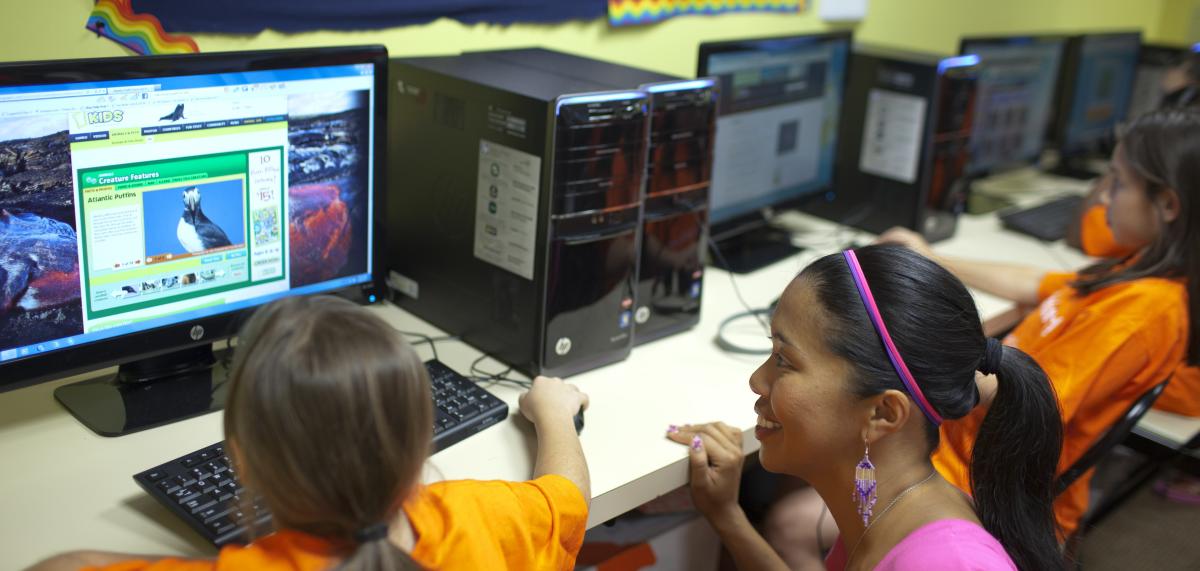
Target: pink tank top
(944, 545)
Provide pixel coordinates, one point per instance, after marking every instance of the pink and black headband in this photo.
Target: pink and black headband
(864, 291)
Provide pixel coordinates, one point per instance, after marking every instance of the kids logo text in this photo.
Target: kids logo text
(98, 117)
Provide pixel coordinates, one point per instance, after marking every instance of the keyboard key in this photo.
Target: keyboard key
(206, 485)
(199, 458)
(156, 475)
(212, 513)
(199, 473)
(184, 494)
(220, 525)
(198, 504)
(168, 486)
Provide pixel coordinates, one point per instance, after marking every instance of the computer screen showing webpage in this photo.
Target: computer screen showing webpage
(777, 129)
(1016, 97)
(1104, 84)
(128, 205)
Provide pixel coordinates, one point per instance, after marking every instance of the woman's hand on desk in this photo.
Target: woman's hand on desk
(908, 238)
(715, 455)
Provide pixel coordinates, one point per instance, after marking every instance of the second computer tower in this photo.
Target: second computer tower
(514, 209)
(903, 146)
(679, 172)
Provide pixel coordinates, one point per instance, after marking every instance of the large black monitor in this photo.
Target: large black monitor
(1016, 95)
(778, 116)
(1154, 62)
(1096, 87)
(148, 204)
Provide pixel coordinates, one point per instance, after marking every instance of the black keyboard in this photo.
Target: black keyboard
(1047, 221)
(203, 489)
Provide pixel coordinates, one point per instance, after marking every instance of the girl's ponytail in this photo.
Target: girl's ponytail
(378, 554)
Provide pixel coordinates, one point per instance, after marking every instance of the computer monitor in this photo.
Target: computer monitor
(1096, 86)
(1154, 61)
(778, 115)
(1016, 90)
(148, 204)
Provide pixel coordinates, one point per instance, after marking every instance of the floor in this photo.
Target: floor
(1147, 532)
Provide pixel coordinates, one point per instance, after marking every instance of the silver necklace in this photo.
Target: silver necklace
(883, 513)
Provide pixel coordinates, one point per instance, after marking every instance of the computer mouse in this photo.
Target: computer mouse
(579, 421)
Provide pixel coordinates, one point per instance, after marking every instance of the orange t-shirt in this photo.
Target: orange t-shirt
(1101, 351)
(1096, 238)
(1182, 395)
(464, 524)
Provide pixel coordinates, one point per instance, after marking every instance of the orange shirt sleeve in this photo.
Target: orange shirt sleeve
(281, 551)
(468, 524)
(1182, 395)
(1096, 238)
(548, 516)
(1054, 281)
(166, 564)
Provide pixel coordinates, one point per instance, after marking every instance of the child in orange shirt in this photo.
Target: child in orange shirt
(329, 419)
(1121, 326)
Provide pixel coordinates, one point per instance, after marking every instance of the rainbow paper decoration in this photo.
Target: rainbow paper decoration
(142, 33)
(632, 12)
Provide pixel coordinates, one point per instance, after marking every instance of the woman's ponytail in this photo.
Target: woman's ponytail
(1015, 460)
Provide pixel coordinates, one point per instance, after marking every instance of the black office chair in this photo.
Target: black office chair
(1115, 435)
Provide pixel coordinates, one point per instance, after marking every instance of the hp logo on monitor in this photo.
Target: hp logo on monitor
(197, 332)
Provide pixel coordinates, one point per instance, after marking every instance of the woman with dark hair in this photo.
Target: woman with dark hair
(1109, 333)
(872, 350)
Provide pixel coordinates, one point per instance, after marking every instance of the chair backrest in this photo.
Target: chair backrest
(1115, 435)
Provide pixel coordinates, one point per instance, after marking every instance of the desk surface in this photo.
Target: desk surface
(67, 488)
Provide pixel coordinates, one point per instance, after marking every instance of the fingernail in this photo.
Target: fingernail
(672, 429)
(696, 443)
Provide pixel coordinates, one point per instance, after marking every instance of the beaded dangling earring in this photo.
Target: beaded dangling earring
(864, 485)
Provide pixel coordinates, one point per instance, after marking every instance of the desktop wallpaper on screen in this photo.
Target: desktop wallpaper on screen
(328, 139)
(39, 258)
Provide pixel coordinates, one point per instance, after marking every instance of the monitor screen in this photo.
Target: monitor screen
(1103, 81)
(1154, 62)
(131, 204)
(1016, 87)
(779, 108)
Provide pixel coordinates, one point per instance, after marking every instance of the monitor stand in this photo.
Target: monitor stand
(1076, 168)
(754, 249)
(150, 392)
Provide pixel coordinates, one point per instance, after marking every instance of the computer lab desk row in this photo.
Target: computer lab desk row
(63, 487)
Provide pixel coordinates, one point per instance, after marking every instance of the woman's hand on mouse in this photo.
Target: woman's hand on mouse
(549, 398)
(715, 456)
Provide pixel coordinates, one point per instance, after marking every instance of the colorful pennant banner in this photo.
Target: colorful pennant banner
(633, 12)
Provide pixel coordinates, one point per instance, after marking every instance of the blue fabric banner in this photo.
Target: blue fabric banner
(254, 16)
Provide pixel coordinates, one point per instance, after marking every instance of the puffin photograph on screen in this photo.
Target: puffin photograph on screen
(195, 231)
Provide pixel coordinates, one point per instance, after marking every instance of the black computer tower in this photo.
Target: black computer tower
(514, 212)
(903, 143)
(678, 174)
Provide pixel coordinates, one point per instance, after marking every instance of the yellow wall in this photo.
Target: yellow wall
(52, 29)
